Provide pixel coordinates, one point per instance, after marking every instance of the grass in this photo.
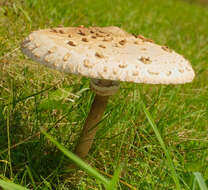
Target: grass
(34, 97)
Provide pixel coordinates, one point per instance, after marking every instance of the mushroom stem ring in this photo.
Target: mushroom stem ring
(103, 89)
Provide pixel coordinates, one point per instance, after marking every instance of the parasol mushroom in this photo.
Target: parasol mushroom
(106, 55)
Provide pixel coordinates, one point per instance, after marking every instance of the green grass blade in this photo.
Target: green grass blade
(77, 160)
(114, 181)
(31, 176)
(11, 186)
(200, 181)
(162, 144)
(194, 184)
(25, 14)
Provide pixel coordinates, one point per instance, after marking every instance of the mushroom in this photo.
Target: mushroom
(66, 50)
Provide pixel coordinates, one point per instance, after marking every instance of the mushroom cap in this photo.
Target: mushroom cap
(107, 53)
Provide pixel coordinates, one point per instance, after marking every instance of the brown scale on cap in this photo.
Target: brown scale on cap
(87, 64)
(122, 65)
(98, 54)
(69, 35)
(145, 60)
(37, 45)
(181, 70)
(122, 42)
(66, 57)
(105, 69)
(135, 73)
(166, 48)
(47, 59)
(115, 71)
(136, 42)
(56, 63)
(188, 69)
(99, 35)
(141, 37)
(92, 30)
(153, 73)
(149, 40)
(85, 40)
(61, 31)
(54, 30)
(102, 46)
(93, 36)
(116, 45)
(144, 39)
(30, 46)
(71, 43)
(52, 50)
(108, 39)
(37, 54)
(101, 31)
(169, 73)
(82, 33)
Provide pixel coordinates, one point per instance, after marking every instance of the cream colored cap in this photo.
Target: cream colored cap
(107, 53)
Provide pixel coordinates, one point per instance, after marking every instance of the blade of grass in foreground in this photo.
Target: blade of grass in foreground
(114, 181)
(162, 144)
(11, 186)
(78, 161)
(200, 181)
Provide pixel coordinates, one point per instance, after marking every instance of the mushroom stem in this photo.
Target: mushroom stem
(90, 127)
(103, 90)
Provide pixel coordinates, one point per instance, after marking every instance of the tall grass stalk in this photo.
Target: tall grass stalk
(162, 144)
(200, 181)
(79, 162)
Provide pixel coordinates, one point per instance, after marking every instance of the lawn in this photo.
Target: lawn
(33, 97)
